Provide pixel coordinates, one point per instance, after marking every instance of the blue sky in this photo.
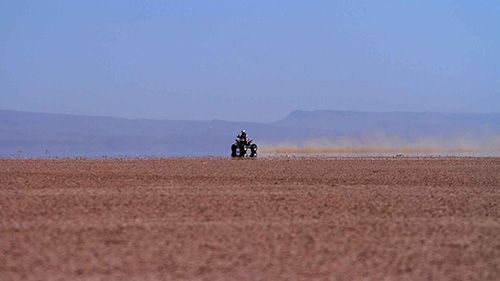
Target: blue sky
(248, 60)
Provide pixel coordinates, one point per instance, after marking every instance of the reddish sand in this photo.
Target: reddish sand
(264, 219)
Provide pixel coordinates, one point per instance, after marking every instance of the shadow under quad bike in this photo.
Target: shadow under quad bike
(243, 149)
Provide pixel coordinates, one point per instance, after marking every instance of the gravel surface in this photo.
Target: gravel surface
(265, 219)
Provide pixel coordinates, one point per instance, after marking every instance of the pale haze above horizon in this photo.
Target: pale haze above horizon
(248, 60)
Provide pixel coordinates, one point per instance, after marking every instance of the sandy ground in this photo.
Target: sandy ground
(264, 219)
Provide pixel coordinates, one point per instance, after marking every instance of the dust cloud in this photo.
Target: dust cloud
(488, 146)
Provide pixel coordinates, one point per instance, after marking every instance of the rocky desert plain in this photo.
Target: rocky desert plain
(276, 218)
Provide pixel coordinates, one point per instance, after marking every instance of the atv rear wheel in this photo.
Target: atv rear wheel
(253, 149)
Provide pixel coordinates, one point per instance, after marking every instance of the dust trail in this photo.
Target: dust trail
(387, 145)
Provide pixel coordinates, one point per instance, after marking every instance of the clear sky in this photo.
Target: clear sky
(248, 60)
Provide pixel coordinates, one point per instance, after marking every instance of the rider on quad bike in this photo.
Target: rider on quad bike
(242, 137)
(243, 146)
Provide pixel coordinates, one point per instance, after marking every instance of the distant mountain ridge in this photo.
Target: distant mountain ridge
(404, 124)
(43, 134)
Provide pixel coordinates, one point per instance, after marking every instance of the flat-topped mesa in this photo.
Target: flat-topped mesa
(42, 134)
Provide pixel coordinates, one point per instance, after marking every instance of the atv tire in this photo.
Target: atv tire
(253, 149)
(234, 149)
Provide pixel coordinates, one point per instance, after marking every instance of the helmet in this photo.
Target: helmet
(243, 132)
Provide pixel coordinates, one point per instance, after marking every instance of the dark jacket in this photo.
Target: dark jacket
(242, 138)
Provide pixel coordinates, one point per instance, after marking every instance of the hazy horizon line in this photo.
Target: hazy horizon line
(245, 121)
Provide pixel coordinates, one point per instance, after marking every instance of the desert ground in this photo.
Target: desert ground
(381, 218)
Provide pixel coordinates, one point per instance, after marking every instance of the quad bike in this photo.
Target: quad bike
(243, 148)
